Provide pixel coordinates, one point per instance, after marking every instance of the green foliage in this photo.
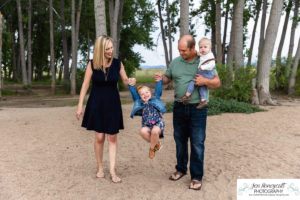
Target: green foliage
(217, 106)
(278, 80)
(8, 92)
(240, 88)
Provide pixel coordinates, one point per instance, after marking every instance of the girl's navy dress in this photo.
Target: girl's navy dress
(103, 112)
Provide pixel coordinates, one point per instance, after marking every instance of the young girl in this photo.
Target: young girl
(151, 108)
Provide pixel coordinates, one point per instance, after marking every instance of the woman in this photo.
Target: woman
(103, 112)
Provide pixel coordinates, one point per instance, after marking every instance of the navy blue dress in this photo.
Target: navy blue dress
(103, 112)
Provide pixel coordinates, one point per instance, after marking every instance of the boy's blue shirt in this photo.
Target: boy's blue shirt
(155, 100)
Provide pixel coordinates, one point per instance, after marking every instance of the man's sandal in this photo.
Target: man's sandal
(100, 173)
(115, 178)
(195, 182)
(176, 176)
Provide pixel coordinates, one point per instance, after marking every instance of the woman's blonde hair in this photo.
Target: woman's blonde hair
(99, 59)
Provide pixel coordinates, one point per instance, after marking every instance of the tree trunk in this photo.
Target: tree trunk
(116, 9)
(52, 67)
(213, 27)
(292, 38)
(1, 56)
(120, 18)
(169, 32)
(21, 39)
(225, 31)
(262, 28)
(218, 34)
(184, 17)
(64, 42)
(100, 18)
(292, 80)
(162, 30)
(29, 53)
(238, 34)
(229, 62)
(258, 7)
(267, 50)
(279, 51)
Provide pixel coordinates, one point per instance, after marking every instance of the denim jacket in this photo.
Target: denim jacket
(155, 100)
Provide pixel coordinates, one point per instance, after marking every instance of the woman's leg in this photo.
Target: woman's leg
(98, 148)
(112, 148)
(146, 134)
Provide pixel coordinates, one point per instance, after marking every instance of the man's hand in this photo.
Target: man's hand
(158, 76)
(200, 80)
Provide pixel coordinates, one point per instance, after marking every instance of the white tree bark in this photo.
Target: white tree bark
(292, 80)
(21, 39)
(266, 54)
(184, 17)
(218, 34)
(100, 18)
(162, 30)
(52, 67)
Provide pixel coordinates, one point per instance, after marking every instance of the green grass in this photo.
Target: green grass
(217, 106)
(8, 92)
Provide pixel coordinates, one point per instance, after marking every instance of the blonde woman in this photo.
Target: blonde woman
(103, 112)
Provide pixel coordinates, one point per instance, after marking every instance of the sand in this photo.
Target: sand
(45, 154)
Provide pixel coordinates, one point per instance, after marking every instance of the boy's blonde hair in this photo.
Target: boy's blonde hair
(140, 87)
(99, 59)
(208, 41)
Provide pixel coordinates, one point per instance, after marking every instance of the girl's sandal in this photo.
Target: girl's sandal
(100, 173)
(115, 178)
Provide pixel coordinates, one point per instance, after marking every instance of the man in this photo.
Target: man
(188, 121)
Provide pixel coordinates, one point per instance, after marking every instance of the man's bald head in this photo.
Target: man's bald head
(189, 40)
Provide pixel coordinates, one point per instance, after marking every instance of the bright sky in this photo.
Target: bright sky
(156, 57)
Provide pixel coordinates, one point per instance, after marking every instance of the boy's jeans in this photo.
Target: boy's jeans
(188, 121)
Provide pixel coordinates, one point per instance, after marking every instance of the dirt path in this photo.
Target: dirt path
(45, 154)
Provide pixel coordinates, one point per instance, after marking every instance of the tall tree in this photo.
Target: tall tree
(0, 55)
(227, 7)
(262, 27)
(64, 42)
(75, 34)
(257, 12)
(292, 38)
(265, 60)
(21, 43)
(52, 67)
(184, 17)
(283, 33)
(29, 45)
(100, 17)
(292, 80)
(163, 38)
(218, 33)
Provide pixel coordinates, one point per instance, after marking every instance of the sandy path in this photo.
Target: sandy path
(45, 154)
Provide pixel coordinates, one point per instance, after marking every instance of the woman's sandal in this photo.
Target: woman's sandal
(100, 173)
(115, 178)
(176, 176)
(195, 182)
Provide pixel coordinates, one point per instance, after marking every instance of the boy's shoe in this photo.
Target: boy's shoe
(202, 104)
(184, 98)
(152, 153)
(158, 147)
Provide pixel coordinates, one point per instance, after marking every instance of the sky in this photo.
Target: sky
(156, 56)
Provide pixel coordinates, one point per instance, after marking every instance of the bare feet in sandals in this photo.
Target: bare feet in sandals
(100, 173)
(176, 176)
(115, 178)
(195, 185)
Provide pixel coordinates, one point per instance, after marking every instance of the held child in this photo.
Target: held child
(151, 108)
(206, 69)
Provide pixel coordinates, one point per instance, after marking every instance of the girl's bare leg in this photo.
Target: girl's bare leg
(155, 132)
(146, 134)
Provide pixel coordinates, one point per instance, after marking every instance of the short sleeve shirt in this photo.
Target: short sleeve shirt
(182, 72)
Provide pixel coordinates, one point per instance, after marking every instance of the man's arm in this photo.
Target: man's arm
(211, 83)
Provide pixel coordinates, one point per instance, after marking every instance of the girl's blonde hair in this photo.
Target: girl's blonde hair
(138, 88)
(99, 59)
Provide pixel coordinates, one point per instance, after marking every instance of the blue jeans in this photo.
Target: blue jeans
(189, 122)
(202, 89)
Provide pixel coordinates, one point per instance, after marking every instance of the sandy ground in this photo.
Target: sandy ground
(45, 154)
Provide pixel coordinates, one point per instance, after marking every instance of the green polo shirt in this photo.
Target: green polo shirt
(182, 73)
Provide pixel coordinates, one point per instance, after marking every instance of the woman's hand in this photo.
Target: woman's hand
(79, 112)
(132, 81)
